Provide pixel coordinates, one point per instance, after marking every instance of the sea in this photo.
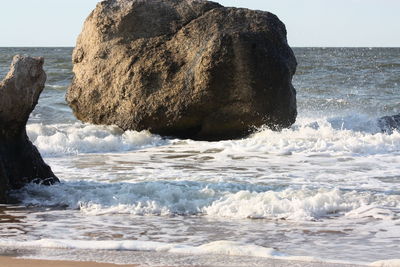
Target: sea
(325, 190)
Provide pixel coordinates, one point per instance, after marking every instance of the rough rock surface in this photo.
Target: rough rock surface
(20, 161)
(389, 123)
(184, 68)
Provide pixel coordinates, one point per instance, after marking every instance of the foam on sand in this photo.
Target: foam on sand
(222, 247)
(387, 263)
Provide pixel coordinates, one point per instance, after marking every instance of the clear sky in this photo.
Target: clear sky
(309, 22)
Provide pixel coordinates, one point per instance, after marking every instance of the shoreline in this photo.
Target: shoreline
(21, 262)
(67, 257)
(10, 261)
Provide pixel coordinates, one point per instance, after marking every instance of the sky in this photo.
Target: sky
(323, 23)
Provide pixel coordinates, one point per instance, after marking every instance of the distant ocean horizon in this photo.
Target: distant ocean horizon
(293, 47)
(326, 189)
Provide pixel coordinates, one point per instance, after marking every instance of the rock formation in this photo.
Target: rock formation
(389, 123)
(20, 161)
(183, 68)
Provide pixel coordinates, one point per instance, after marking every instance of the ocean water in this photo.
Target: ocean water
(326, 189)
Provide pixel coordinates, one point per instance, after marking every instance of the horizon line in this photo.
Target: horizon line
(290, 46)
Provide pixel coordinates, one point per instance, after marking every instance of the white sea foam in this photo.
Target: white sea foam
(88, 244)
(159, 198)
(387, 263)
(229, 248)
(218, 200)
(57, 86)
(325, 136)
(288, 204)
(64, 139)
(323, 170)
(354, 135)
(222, 247)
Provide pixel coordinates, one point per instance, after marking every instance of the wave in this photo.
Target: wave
(222, 247)
(67, 139)
(351, 135)
(218, 200)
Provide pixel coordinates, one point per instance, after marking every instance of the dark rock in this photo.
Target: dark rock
(389, 123)
(20, 161)
(184, 68)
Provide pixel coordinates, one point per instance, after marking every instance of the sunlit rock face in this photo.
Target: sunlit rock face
(183, 68)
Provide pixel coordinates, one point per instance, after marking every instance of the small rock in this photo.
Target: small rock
(389, 123)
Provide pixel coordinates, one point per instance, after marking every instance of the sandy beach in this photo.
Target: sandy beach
(8, 261)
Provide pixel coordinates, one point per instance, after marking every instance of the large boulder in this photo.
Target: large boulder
(183, 68)
(20, 161)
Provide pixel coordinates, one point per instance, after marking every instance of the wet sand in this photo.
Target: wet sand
(8, 261)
